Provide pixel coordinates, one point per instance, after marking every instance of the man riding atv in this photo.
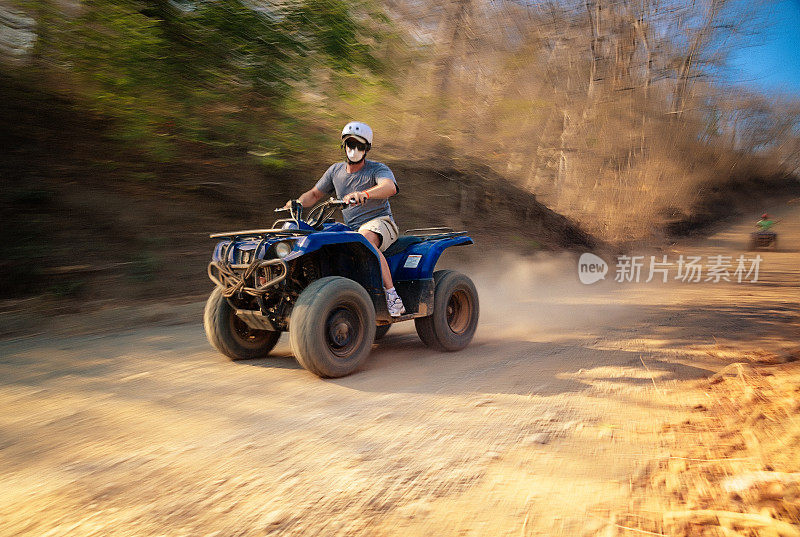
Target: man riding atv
(765, 237)
(367, 185)
(332, 288)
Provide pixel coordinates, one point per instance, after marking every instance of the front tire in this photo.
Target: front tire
(455, 313)
(230, 335)
(332, 327)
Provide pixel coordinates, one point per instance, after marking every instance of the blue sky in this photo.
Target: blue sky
(772, 62)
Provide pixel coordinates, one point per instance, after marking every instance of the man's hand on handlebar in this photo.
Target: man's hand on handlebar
(356, 198)
(333, 202)
(295, 205)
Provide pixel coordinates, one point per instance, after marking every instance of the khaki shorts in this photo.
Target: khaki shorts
(385, 227)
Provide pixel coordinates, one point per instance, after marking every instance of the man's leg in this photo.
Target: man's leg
(375, 240)
(393, 301)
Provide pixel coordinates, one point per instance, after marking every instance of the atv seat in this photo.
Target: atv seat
(402, 242)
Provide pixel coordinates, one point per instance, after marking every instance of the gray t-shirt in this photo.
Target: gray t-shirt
(336, 179)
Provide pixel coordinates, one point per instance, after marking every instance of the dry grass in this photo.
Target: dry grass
(741, 475)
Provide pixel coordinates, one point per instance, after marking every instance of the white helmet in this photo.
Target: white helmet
(360, 130)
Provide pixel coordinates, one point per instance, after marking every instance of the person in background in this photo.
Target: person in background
(765, 223)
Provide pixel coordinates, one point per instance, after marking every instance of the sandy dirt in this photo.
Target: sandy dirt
(537, 428)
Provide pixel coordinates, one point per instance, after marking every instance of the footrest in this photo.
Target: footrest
(406, 317)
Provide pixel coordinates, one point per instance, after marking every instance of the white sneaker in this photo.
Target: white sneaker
(395, 304)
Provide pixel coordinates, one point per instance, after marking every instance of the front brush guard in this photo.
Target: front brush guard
(228, 277)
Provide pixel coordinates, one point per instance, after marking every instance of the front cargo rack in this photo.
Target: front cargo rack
(261, 232)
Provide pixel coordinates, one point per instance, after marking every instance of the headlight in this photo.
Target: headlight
(282, 249)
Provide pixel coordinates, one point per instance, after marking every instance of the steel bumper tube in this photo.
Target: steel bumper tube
(232, 278)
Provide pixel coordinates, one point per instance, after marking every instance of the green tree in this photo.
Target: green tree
(222, 71)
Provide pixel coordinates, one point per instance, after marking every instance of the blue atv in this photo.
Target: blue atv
(320, 281)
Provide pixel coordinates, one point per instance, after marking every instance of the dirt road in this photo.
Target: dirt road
(532, 430)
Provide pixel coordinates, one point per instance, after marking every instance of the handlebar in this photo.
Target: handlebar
(332, 202)
(317, 215)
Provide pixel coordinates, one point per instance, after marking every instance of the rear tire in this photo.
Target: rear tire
(230, 335)
(332, 327)
(455, 313)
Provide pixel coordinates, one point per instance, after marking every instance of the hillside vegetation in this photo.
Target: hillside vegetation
(85, 220)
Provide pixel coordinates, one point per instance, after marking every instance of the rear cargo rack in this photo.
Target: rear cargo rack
(429, 230)
(435, 232)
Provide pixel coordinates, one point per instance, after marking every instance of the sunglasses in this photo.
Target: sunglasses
(352, 143)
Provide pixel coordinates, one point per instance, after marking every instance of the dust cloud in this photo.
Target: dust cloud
(539, 296)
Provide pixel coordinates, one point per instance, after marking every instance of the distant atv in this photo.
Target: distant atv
(321, 282)
(763, 239)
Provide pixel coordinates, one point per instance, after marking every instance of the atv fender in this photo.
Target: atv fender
(418, 260)
(312, 243)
